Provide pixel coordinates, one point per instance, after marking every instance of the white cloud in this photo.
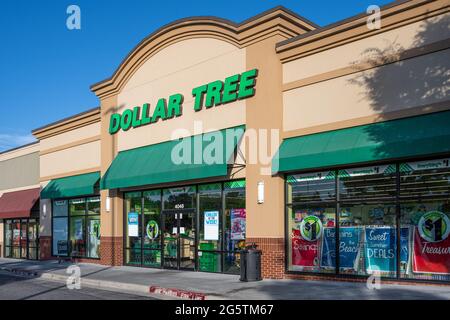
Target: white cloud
(9, 141)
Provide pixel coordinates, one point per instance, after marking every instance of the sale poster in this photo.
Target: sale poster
(305, 253)
(380, 251)
(133, 224)
(238, 224)
(211, 225)
(349, 239)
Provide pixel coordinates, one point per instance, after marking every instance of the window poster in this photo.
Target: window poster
(238, 224)
(432, 244)
(78, 229)
(211, 225)
(133, 224)
(381, 244)
(349, 247)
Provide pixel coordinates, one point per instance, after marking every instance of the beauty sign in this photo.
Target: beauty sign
(211, 225)
(432, 244)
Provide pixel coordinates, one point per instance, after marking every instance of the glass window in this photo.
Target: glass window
(210, 214)
(93, 237)
(235, 223)
(60, 236)
(368, 239)
(367, 183)
(133, 239)
(60, 208)
(76, 227)
(77, 207)
(367, 220)
(310, 245)
(425, 219)
(152, 228)
(8, 233)
(311, 226)
(94, 205)
(77, 236)
(312, 187)
(179, 198)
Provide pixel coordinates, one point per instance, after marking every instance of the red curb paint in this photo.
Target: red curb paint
(191, 295)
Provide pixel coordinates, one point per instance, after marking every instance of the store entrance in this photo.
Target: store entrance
(21, 239)
(179, 239)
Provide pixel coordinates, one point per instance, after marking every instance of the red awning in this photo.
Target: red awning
(18, 204)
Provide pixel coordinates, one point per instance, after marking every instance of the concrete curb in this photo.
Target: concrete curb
(113, 285)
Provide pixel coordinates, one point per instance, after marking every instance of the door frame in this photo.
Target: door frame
(175, 212)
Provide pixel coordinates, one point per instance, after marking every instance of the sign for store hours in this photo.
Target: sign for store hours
(236, 87)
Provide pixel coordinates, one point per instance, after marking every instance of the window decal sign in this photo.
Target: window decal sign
(211, 225)
(152, 230)
(432, 244)
(349, 247)
(133, 224)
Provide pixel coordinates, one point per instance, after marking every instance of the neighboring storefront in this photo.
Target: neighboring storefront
(19, 203)
(328, 147)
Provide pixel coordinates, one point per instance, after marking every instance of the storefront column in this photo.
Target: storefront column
(111, 229)
(265, 221)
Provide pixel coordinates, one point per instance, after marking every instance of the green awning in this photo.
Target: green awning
(74, 186)
(153, 164)
(415, 136)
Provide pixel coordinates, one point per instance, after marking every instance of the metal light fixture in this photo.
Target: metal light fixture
(260, 192)
(108, 204)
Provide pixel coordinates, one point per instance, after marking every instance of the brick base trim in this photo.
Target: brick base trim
(45, 248)
(111, 251)
(272, 260)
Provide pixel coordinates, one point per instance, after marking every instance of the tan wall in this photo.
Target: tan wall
(264, 111)
(178, 69)
(410, 36)
(70, 137)
(396, 89)
(19, 152)
(78, 158)
(390, 88)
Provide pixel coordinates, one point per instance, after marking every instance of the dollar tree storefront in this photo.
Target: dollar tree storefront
(391, 218)
(274, 131)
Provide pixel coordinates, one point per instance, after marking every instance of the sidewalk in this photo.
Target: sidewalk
(200, 285)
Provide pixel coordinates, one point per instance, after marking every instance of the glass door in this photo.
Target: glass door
(170, 232)
(33, 239)
(179, 239)
(23, 240)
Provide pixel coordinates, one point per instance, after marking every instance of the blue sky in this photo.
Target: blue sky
(46, 70)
